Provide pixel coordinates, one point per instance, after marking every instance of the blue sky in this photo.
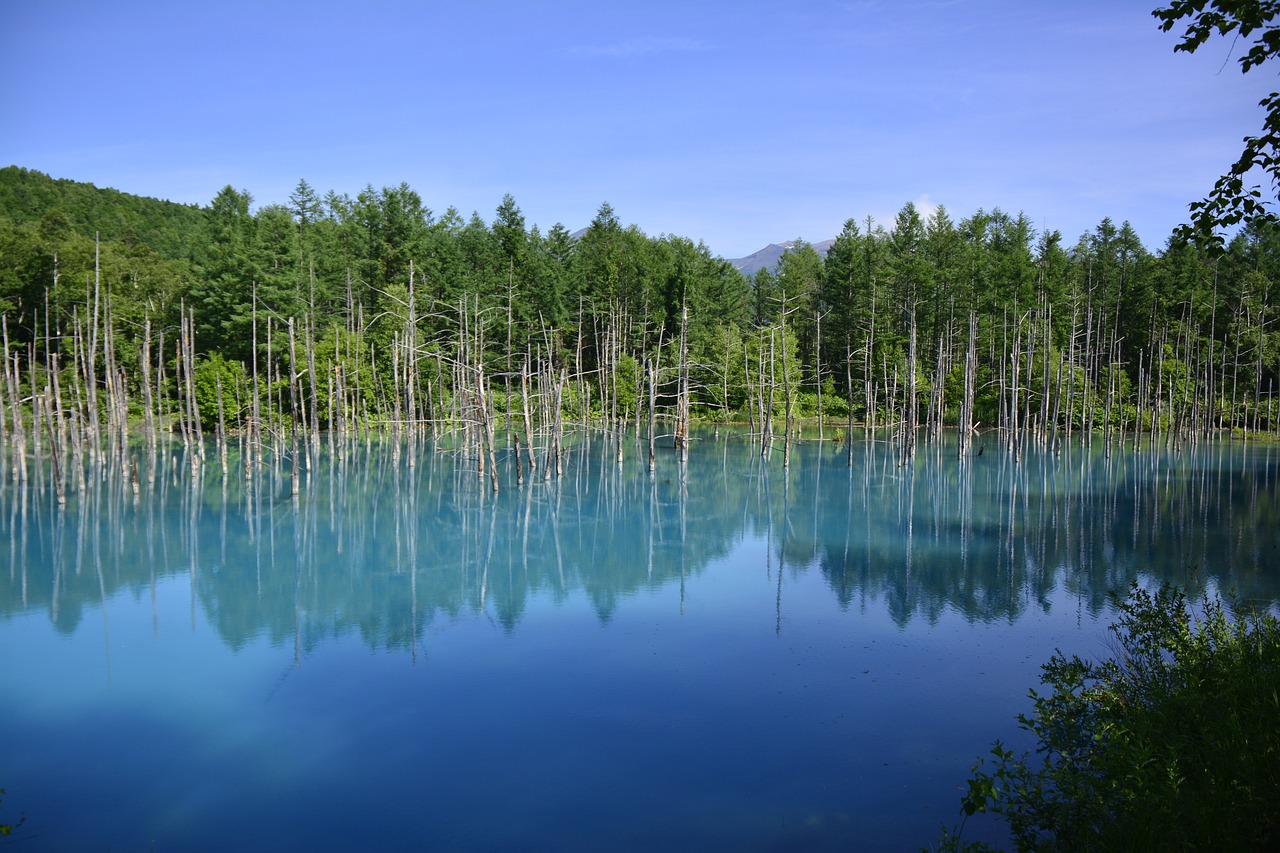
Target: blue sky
(735, 123)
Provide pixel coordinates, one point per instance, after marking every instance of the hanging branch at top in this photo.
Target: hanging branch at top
(1232, 201)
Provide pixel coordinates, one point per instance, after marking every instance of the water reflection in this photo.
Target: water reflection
(372, 546)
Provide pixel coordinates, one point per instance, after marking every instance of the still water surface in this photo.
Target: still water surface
(723, 655)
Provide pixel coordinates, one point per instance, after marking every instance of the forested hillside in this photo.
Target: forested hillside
(331, 312)
(28, 197)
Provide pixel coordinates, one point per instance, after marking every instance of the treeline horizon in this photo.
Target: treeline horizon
(375, 310)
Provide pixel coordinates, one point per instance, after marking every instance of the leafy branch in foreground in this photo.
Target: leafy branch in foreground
(1231, 201)
(1173, 744)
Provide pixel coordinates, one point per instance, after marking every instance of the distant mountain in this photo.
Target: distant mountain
(768, 257)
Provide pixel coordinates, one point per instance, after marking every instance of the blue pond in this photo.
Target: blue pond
(724, 654)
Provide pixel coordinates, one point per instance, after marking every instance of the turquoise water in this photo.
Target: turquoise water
(724, 655)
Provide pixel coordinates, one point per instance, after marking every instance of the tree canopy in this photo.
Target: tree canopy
(1058, 329)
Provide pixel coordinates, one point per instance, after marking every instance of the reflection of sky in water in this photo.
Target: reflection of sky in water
(733, 658)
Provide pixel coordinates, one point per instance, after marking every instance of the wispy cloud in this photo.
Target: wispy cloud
(643, 47)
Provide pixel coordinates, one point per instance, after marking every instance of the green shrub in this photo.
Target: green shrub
(208, 371)
(8, 828)
(1173, 744)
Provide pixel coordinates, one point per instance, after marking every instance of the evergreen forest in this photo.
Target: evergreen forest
(330, 315)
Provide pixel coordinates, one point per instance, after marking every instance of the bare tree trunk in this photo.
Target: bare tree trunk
(653, 403)
(786, 390)
(848, 379)
(909, 410)
(528, 431)
(817, 357)
(222, 425)
(970, 384)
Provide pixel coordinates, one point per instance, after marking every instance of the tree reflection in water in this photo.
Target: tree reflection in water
(374, 546)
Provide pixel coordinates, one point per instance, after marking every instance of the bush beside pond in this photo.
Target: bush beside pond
(1171, 744)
